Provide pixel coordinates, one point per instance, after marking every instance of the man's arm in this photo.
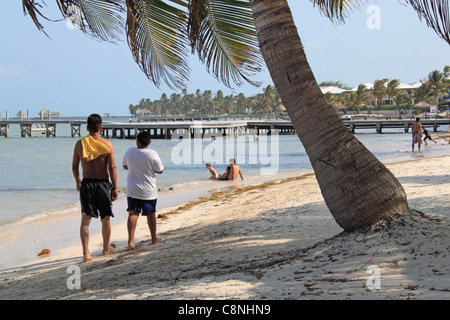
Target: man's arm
(157, 165)
(240, 173)
(76, 166)
(112, 170)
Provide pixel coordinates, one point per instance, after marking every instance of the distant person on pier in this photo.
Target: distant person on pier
(448, 116)
(255, 134)
(416, 134)
(96, 191)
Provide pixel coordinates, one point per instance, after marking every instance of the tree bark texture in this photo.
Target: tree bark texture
(357, 188)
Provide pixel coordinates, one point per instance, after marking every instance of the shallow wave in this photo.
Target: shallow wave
(53, 213)
(26, 189)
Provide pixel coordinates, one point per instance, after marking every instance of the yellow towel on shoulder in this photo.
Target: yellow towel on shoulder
(92, 148)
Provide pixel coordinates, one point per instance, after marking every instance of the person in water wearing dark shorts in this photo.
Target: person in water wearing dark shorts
(427, 136)
(97, 192)
(416, 134)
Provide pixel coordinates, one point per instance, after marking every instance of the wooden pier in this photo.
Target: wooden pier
(193, 129)
(47, 126)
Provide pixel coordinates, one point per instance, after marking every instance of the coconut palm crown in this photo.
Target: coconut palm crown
(221, 32)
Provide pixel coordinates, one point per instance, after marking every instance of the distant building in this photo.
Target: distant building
(46, 112)
(333, 90)
(142, 112)
(409, 88)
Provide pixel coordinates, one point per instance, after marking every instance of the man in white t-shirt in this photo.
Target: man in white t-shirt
(142, 164)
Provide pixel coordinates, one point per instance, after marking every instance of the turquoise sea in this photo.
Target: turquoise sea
(37, 186)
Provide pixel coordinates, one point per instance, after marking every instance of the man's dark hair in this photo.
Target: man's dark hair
(94, 122)
(143, 138)
(417, 119)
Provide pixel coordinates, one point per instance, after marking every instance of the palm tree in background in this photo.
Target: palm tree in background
(436, 85)
(402, 97)
(379, 90)
(447, 73)
(391, 91)
(357, 187)
(392, 88)
(362, 95)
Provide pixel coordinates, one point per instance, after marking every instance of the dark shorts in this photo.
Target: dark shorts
(95, 198)
(146, 207)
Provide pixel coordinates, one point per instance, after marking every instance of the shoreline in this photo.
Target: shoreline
(21, 242)
(261, 242)
(30, 247)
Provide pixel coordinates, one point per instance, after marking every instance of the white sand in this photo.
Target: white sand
(274, 241)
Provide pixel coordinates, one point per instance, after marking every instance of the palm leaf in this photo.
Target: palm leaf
(222, 32)
(99, 19)
(436, 14)
(336, 10)
(156, 33)
(33, 9)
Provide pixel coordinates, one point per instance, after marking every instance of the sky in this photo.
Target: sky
(77, 76)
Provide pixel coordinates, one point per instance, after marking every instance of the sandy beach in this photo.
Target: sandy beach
(275, 240)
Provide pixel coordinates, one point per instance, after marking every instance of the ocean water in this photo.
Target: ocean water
(37, 186)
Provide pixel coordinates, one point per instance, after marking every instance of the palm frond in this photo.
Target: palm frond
(100, 19)
(337, 10)
(33, 9)
(156, 34)
(223, 34)
(436, 14)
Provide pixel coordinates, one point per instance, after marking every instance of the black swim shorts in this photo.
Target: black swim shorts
(95, 198)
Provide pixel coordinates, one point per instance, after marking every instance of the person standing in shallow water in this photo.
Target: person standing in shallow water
(416, 134)
(97, 193)
(142, 164)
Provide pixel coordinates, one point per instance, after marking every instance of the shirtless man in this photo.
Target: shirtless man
(214, 174)
(417, 134)
(96, 191)
(235, 170)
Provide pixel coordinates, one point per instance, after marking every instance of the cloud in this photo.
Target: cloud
(317, 45)
(10, 71)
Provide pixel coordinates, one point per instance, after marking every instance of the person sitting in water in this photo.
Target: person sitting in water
(235, 170)
(214, 174)
(225, 175)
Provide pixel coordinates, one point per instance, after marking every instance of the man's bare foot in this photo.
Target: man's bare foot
(156, 241)
(110, 249)
(87, 258)
(131, 247)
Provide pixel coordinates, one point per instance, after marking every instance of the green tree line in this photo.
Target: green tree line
(431, 92)
(208, 103)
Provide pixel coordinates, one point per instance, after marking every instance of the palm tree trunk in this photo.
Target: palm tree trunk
(358, 189)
